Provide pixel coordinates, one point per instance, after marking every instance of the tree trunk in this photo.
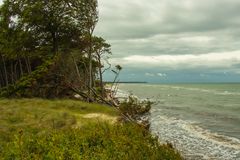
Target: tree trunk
(77, 70)
(115, 79)
(5, 70)
(15, 71)
(20, 64)
(12, 73)
(90, 83)
(55, 42)
(2, 81)
(100, 75)
(27, 65)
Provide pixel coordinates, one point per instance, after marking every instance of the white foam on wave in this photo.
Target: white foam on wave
(207, 91)
(228, 93)
(193, 141)
(214, 137)
(121, 94)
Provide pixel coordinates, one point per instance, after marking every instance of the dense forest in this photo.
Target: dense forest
(48, 49)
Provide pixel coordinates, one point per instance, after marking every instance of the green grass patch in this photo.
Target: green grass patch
(34, 115)
(59, 129)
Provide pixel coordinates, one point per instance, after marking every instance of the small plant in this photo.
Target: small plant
(136, 110)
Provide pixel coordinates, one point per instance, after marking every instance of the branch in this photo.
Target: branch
(109, 66)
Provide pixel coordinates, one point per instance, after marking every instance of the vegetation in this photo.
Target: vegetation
(48, 50)
(134, 108)
(63, 129)
(136, 111)
(58, 33)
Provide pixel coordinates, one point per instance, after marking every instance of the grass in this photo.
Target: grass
(67, 129)
(33, 115)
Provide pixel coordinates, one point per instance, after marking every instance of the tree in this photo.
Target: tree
(35, 32)
(101, 48)
(116, 71)
(90, 22)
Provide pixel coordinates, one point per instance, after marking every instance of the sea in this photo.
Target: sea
(201, 120)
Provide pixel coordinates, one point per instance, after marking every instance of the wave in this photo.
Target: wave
(192, 140)
(206, 90)
(122, 94)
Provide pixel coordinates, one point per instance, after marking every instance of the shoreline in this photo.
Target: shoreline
(192, 140)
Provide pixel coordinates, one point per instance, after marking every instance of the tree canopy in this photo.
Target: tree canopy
(47, 48)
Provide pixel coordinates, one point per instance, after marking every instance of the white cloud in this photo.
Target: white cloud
(188, 61)
(197, 39)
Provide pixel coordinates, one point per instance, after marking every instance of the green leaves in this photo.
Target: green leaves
(21, 88)
(100, 141)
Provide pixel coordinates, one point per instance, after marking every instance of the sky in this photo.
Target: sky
(171, 41)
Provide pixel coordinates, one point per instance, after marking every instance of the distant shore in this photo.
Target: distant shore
(128, 82)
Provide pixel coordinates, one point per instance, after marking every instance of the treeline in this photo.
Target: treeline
(47, 49)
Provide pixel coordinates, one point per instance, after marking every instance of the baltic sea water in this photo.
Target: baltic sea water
(201, 120)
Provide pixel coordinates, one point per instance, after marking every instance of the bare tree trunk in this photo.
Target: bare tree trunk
(115, 89)
(90, 83)
(85, 75)
(5, 70)
(15, 71)
(30, 67)
(2, 81)
(55, 43)
(100, 75)
(20, 64)
(114, 81)
(77, 70)
(12, 73)
(93, 78)
(26, 62)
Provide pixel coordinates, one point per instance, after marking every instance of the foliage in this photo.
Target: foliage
(135, 108)
(58, 129)
(92, 141)
(20, 88)
(32, 31)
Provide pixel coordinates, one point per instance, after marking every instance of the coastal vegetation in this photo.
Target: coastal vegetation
(48, 57)
(68, 129)
(48, 50)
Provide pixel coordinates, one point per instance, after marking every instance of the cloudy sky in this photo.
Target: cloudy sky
(173, 40)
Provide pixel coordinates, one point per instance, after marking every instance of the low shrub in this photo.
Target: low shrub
(93, 141)
(133, 109)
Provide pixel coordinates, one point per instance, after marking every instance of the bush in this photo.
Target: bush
(93, 141)
(135, 110)
(134, 107)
